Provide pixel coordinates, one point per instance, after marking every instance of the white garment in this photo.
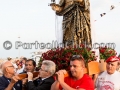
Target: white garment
(106, 81)
(20, 70)
(58, 27)
(15, 66)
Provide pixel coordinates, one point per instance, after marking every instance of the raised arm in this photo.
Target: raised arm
(56, 7)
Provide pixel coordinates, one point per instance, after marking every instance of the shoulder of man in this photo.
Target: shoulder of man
(1, 78)
(101, 73)
(3, 82)
(51, 78)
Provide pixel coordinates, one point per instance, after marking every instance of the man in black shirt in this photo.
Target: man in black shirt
(45, 79)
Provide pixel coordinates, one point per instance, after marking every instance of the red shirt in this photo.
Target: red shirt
(85, 83)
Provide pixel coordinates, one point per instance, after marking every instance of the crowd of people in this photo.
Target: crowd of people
(76, 29)
(46, 80)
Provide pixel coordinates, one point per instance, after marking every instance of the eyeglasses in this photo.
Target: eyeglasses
(42, 70)
(76, 56)
(10, 66)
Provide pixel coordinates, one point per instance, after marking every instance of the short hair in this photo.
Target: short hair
(24, 58)
(1, 69)
(50, 66)
(2, 65)
(79, 58)
(9, 58)
(33, 62)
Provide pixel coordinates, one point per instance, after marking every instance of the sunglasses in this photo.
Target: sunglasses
(77, 57)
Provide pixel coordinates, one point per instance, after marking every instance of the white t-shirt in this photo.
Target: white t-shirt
(106, 81)
(21, 70)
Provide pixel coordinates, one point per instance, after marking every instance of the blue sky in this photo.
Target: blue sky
(33, 20)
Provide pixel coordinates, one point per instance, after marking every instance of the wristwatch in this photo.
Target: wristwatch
(30, 80)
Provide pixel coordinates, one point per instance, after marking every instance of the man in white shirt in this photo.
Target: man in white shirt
(109, 79)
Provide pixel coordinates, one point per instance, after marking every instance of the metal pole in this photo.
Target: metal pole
(19, 48)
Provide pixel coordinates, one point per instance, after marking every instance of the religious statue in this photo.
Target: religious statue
(76, 21)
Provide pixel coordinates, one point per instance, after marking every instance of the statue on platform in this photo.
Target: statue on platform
(76, 20)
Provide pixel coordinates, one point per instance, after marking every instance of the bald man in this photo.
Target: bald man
(9, 81)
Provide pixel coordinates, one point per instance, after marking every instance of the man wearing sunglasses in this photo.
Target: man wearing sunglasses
(9, 81)
(76, 80)
(45, 79)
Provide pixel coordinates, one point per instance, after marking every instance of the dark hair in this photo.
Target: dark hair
(24, 58)
(9, 58)
(119, 55)
(33, 62)
(79, 58)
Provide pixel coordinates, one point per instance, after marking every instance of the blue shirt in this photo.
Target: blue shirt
(4, 82)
